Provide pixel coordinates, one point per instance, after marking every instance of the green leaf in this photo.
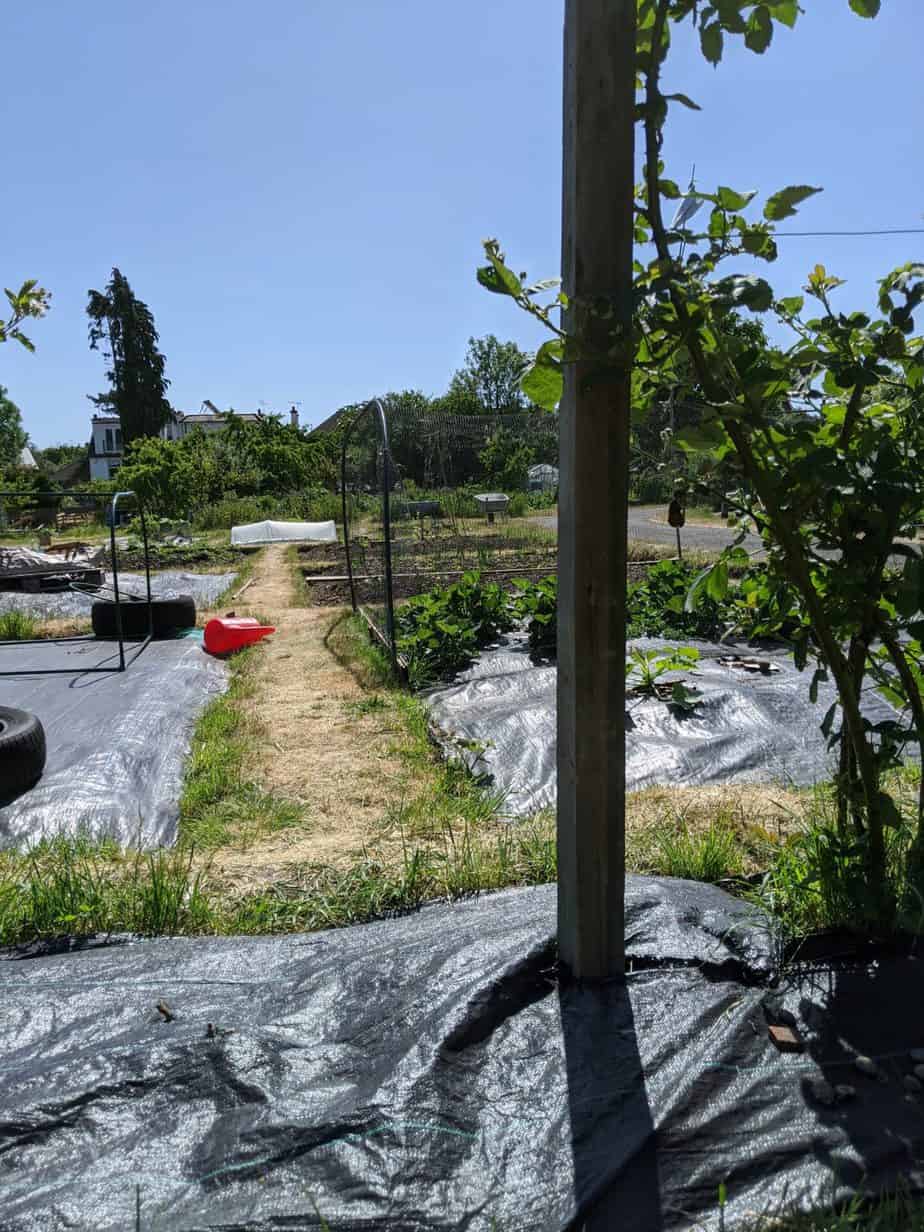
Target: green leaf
(712, 42)
(717, 581)
(701, 438)
(684, 99)
(499, 279)
(731, 200)
(542, 382)
(792, 305)
(760, 30)
(781, 204)
(828, 721)
(785, 11)
(819, 676)
(746, 291)
(866, 8)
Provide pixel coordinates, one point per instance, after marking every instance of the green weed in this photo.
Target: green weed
(707, 855)
(17, 626)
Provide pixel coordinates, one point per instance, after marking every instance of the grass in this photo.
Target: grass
(220, 803)
(17, 626)
(897, 1212)
(712, 855)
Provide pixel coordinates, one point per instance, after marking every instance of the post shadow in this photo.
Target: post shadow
(613, 1137)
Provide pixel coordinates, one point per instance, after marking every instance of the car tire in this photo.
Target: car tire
(22, 751)
(167, 615)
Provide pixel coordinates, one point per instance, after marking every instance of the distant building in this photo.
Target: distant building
(27, 458)
(107, 454)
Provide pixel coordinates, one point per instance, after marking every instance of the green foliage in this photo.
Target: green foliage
(125, 326)
(657, 605)
(13, 438)
(707, 855)
(646, 667)
(439, 633)
(537, 604)
(506, 459)
(831, 481)
(28, 303)
(245, 473)
(17, 626)
(54, 456)
(488, 383)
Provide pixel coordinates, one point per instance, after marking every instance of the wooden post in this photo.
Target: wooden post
(598, 196)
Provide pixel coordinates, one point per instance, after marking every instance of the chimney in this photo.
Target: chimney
(293, 416)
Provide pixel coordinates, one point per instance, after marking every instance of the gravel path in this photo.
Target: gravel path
(648, 523)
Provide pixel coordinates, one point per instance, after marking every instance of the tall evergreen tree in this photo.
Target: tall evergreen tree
(125, 327)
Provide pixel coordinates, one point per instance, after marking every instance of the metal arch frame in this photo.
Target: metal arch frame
(124, 662)
(375, 408)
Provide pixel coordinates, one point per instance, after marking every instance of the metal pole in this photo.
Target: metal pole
(598, 197)
(346, 519)
(386, 526)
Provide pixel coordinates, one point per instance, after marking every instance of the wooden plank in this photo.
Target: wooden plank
(597, 232)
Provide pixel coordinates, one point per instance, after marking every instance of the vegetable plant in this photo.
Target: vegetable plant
(440, 632)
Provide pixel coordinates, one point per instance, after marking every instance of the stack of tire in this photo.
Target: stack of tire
(168, 616)
(22, 752)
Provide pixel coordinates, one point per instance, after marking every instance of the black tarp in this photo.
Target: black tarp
(432, 1072)
(205, 588)
(500, 715)
(117, 741)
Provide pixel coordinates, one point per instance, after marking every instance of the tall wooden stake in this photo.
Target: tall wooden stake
(598, 195)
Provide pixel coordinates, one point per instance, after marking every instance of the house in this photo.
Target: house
(27, 458)
(106, 453)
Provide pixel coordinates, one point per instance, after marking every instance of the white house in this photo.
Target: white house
(106, 454)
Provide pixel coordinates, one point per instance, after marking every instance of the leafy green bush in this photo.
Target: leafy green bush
(537, 603)
(657, 605)
(518, 506)
(439, 633)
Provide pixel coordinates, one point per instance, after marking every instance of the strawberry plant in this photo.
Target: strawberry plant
(439, 633)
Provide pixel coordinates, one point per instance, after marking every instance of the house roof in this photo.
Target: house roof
(27, 458)
(216, 417)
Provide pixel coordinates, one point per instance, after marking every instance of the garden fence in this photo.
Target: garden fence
(429, 496)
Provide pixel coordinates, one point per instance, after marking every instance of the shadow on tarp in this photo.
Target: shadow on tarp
(429, 1072)
(117, 742)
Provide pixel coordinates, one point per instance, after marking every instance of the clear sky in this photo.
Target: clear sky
(299, 188)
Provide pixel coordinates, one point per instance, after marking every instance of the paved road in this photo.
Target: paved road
(649, 524)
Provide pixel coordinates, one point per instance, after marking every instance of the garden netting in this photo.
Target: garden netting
(205, 588)
(411, 478)
(432, 1072)
(499, 717)
(117, 741)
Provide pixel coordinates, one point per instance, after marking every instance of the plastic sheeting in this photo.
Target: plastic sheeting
(500, 718)
(204, 588)
(432, 1073)
(117, 741)
(284, 532)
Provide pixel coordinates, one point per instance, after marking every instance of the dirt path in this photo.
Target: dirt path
(316, 750)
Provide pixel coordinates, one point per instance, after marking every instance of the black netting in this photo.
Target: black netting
(430, 496)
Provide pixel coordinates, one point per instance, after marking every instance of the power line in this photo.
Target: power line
(882, 231)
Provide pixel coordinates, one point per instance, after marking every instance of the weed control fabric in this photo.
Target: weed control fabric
(500, 718)
(432, 1072)
(116, 741)
(65, 604)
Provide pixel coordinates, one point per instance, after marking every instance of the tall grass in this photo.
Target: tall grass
(18, 626)
(220, 803)
(707, 855)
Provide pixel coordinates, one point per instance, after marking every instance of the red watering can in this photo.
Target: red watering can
(225, 634)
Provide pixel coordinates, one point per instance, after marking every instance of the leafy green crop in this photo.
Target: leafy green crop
(439, 633)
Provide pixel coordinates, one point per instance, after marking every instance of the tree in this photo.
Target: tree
(506, 459)
(61, 455)
(125, 326)
(13, 437)
(488, 383)
(30, 301)
(835, 494)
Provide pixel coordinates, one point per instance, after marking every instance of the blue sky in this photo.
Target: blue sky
(298, 189)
